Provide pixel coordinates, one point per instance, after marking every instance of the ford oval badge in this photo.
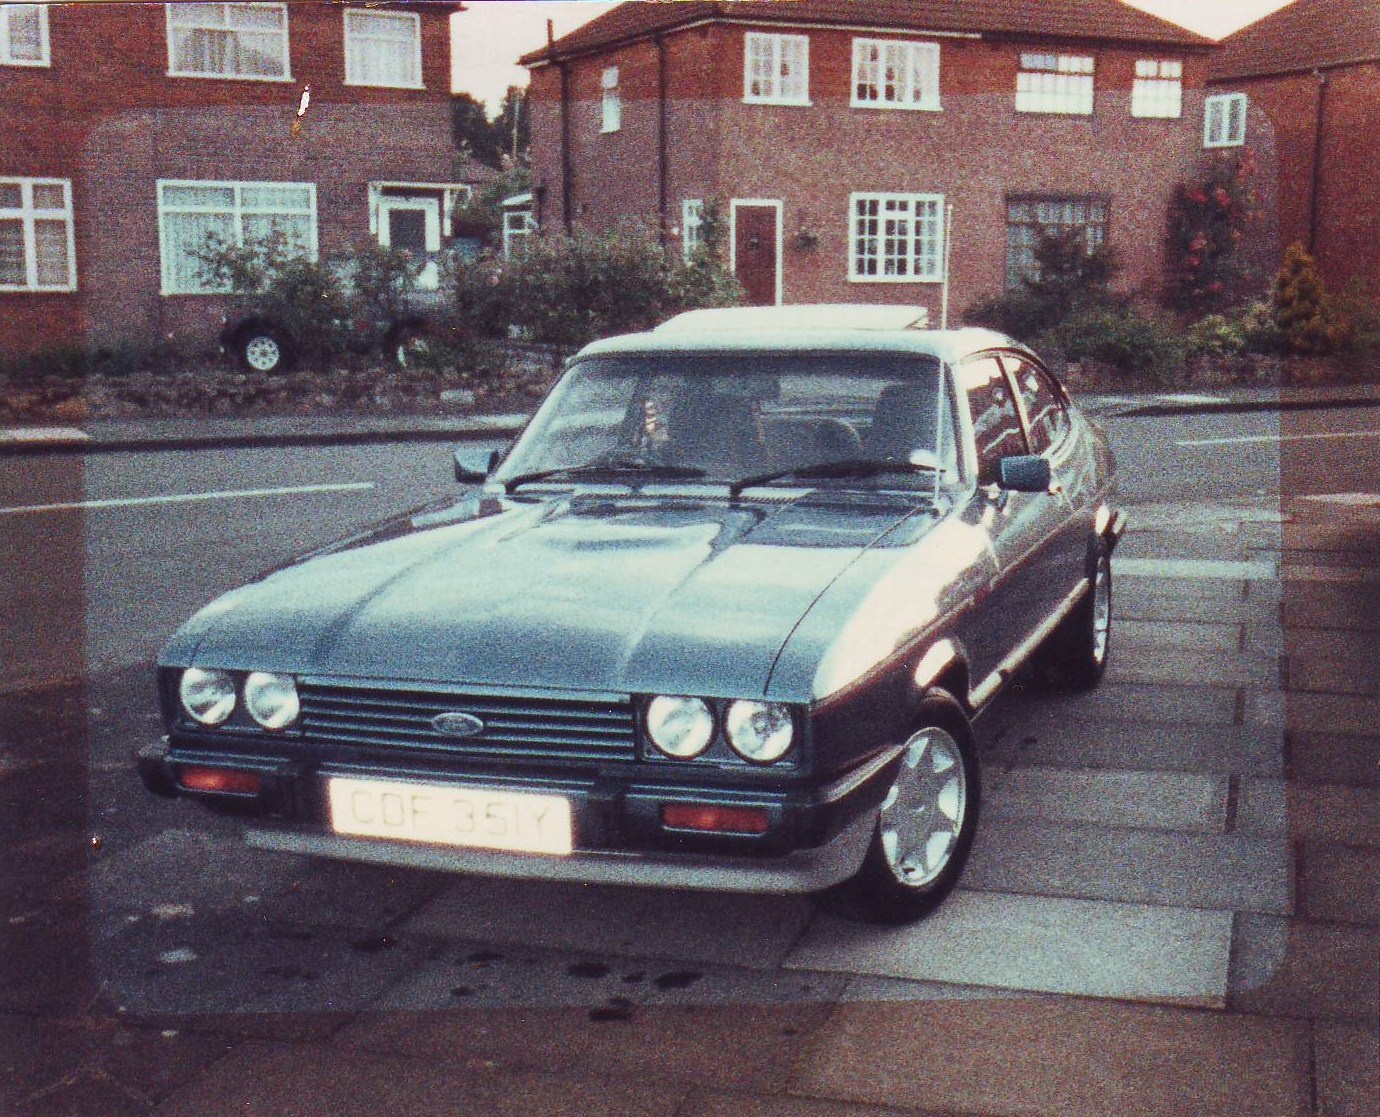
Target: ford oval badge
(457, 724)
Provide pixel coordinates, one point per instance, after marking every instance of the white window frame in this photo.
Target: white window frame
(518, 227)
(237, 211)
(1090, 213)
(924, 261)
(1059, 84)
(612, 120)
(774, 86)
(28, 214)
(691, 226)
(1219, 110)
(7, 57)
(916, 65)
(359, 16)
(1158, 90)
(226, 7)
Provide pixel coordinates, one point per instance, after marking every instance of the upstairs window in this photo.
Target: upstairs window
(613, 100)
(383, 49)
(195, 218)
(1030, 219)
(24, 35)
(776, 69)
(691, 226)
(897, 238)
(246, 41)
(1224, 120)
(889, 74)
(1055, 83)
(36, 245)
(1159, 89)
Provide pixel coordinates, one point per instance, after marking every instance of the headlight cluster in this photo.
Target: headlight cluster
(683, 728)
(209, 697)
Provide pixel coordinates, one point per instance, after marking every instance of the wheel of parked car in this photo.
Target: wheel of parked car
(262, 348)
(927, 819)
(1076, 655)
(406, 343)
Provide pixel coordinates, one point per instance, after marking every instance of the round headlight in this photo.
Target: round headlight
(680, 727)
(271, 699)
(208, 696)
(760, 731)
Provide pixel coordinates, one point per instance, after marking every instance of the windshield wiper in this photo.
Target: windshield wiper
(612, 467)
(848, 467)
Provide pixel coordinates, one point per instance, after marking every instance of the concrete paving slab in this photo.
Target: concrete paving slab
(1319, 605)
(1334, 662)
(1018, 734)
(1348, 1060)
(1310, 812)
(743, 930)
(1133, 637)
(1137, 800)
(1058, 1058)
(1123, 951)
(1340, 885)
(1217, 872)
(269, 1080)
(741, 1045)
(1335, 759)
(1169, 599)
(1176, 706)
(1189, 667)
(1319, 713)
(1197, 570)
(1291, 968)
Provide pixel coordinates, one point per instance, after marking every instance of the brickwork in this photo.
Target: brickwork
(113, 123)
(976, 151)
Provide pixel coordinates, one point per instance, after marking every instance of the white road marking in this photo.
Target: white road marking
(1347, 500)
(1246, 438)
(190, 498)
(1257, 570)
(44, 434)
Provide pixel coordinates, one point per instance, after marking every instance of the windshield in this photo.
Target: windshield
(729, 417)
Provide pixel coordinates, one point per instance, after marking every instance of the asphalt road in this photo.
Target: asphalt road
(1148, 821)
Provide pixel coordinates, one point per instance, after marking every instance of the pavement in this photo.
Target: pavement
(1173, 909)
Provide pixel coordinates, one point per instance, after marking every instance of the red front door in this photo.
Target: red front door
(755, 256)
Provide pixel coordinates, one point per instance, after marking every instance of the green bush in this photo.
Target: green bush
(567, 291)
(1216, 335)
(1310, 323)
(1122, 337)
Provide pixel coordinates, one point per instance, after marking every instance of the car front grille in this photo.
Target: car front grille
(544, 728)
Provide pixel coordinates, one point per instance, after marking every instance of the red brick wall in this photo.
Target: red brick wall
(1346, 238)
(106, 116)
(975, 151)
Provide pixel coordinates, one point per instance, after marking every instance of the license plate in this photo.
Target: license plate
(477, 818)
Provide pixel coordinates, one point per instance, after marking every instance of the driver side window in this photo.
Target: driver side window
(996, 422)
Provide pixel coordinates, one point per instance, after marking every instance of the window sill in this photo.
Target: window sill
(1151, 117)
(1076, 113)
(9, 289)
(773, 101)
(380, 85)
(1224, 143)
(889, 107)
(28, 63)
(895, 279)
(288, 79)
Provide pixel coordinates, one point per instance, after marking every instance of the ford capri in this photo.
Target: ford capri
(722, 617)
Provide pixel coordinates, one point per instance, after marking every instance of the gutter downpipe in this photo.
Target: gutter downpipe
(1316, 188)
(663, 196)
(567, 191)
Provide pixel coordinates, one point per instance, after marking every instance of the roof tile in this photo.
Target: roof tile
(1306, 35)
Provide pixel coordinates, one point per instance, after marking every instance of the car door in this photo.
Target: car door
(1021, 526)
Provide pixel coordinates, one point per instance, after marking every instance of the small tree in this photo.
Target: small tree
(1308, 321)
(1068, 278)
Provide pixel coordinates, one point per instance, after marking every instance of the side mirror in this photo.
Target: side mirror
(1025, 473)
(473, 465)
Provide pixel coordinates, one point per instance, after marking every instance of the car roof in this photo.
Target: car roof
(824, 328)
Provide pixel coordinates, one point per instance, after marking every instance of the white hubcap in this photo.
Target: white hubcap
(922, 815)
(262, 353)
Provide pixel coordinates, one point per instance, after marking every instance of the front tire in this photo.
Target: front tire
(927, 820)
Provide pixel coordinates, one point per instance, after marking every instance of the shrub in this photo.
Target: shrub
(1122, 337)
(1070, 278)
(1207, 223)
(1309, 322)
(1216, 336)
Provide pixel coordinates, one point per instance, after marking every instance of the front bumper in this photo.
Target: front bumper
(816, 836)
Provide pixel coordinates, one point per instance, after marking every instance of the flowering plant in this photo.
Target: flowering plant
(1207, 224)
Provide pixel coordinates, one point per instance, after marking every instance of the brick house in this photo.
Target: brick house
(845, 142)
(118, 161)
(1301, 88)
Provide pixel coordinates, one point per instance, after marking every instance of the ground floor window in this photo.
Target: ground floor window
(896, 238)
(37, 250)
(196, 217)
(1029, 219)
(691, 226)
